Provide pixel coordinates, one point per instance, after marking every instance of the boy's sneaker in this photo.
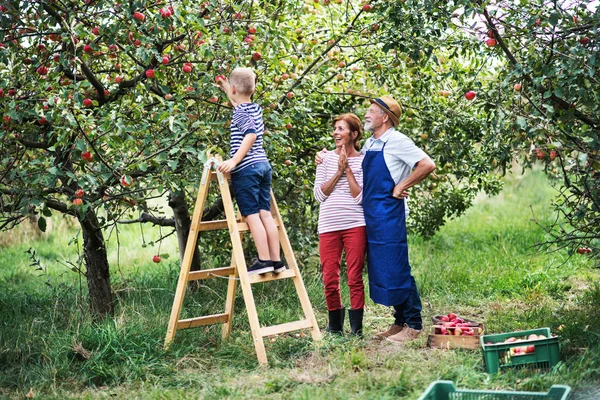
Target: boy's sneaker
(278, 266)
(260, 267)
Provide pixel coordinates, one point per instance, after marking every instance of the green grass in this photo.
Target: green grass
(483, 265)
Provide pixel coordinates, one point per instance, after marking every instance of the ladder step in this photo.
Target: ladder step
(220, 224)
(210, 273)
(288, 273)
(200, 321)
(287, 327)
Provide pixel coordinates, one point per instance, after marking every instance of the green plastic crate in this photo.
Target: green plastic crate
(497, 356)
(445, 390)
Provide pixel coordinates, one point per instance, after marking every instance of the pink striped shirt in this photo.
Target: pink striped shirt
(339, 211)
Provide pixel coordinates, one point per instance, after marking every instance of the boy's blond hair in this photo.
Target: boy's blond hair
(244, 80)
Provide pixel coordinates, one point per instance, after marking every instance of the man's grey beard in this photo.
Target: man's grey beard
(368, 127)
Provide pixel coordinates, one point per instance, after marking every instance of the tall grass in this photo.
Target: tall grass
(483, 265)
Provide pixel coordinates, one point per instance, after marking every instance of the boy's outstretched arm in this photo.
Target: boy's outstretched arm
(226, 87)
(239, 155)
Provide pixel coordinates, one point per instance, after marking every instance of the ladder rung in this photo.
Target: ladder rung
(210, 273)
(200, 321)
(288, 273)
(287, 327)
(220, 224)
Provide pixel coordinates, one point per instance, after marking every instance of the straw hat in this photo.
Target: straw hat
(390, 106)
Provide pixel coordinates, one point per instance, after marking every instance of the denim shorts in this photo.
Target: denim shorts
(252, 188)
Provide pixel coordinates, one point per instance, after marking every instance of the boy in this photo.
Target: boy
(250, 170)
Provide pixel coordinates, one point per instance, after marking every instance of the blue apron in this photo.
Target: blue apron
(387, 249)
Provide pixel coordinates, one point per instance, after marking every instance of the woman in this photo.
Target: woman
(338, 187)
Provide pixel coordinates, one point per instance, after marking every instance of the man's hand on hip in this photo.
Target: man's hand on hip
(399, 192)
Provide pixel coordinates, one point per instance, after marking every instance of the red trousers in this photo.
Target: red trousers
(331, 245)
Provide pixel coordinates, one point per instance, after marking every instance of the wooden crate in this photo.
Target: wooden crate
(453, 342)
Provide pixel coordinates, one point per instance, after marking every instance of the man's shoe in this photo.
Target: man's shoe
(260, 267)
(392, 330)
(407, 334)
(278, 266)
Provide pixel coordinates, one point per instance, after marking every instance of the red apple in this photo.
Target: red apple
(529, 349)
(285, 76)
(510, 340)
(139, 16)
(126, 180)
(288, 126)
(165, 60)
(87, 156)
(584, 250)
(77, 202)
(187, 68)
(150, 74)
(584, 40)
(540, 154)
(367, 7)
(87, 102)
(451, 316)
(289, 95)
(79, 193)
(96, 31)
(538, 22)
(219, 78)
(42, 70)
(156, 259)
(490, 42)
(553, 155)
(491, 34)
(168, 96)
(287, 162)
(445, 93)
(517, 87)
(252, 30)
(256, 56)
(444, 318)
(213, 99)
(470, 95)
(458, 331)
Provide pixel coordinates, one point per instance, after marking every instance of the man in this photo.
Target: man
(392, 164)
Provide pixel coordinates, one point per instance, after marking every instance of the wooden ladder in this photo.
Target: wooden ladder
(237, 269)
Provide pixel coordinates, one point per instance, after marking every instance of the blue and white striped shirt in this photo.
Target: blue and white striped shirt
(247, 118)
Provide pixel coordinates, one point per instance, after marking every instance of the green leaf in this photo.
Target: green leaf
(42, 224)
(553, 19)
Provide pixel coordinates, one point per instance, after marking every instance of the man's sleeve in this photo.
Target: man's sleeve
(407, 151)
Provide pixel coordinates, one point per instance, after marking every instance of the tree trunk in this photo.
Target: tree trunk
(96, 261)
(183, 224)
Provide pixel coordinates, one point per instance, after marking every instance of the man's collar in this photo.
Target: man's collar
(385, 137)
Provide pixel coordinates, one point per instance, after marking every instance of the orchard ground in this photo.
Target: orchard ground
(482, 266)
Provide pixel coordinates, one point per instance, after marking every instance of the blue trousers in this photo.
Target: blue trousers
(409, 312)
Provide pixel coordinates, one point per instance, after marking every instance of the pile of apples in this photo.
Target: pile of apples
(453, 325)
(521, 350)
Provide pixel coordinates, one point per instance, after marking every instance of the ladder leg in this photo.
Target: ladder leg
(292, 264)
(187, 257)
(238, 254)
(229, 304)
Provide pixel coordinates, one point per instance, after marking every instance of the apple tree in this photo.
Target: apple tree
(106, 106)
(524, 77)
